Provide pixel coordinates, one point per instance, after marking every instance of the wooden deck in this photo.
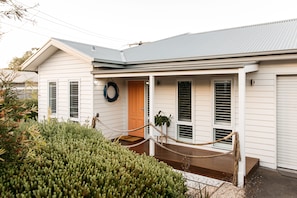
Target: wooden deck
(218, 167)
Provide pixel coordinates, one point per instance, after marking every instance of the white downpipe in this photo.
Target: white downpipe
(241, 124)
(151, 118)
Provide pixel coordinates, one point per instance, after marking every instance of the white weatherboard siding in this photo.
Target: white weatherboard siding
(287, 122)
(261, 112)
(203, 109)
(63, 68)
(261, 132)
(166, 101)
(112, 114)
(260, 116)
(165, 97)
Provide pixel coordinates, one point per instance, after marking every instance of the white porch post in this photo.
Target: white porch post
(151, 118)
(241, 123)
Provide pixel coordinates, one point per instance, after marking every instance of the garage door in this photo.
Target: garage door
(287, 122)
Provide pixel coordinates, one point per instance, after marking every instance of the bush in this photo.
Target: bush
(32, 104)
(13, 112)
(80, 162)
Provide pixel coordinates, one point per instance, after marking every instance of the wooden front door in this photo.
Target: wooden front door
(136, 107)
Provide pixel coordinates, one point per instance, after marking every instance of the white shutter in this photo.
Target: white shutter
(287, 122)
(53, 97)
(222, 112)
(223, 102)
(185, 131)
(184, 101)
(74, 99)
(184, 122)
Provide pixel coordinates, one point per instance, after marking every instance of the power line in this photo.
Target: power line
(64, 24)
(24, 29)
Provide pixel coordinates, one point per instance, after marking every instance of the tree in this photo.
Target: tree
(14, 144)
(12, 9)
(16, 62)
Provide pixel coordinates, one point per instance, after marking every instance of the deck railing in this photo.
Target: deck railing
(235, 149)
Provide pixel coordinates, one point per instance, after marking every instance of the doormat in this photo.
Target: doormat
(130, 138)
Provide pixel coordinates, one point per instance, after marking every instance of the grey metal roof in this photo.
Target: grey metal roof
(96, 52)
(242, 41)
(269, 38)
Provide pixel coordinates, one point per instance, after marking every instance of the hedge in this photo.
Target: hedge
(80, 162)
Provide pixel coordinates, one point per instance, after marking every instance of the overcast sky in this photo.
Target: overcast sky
(118, 23)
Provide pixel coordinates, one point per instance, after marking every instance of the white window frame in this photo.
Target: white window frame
(69, 113)
(52, 115)
(224, 126)
(191, 123)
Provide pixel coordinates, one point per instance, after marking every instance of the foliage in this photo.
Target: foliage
(2, 151)
(13, 112)
(12, 9)
(16, 62)
(79, 162)
(32, 104)
(161, 119)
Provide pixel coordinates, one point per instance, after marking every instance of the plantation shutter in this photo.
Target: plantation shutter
(221, 133)
(222, 111)
(184, 126)
(53, 97)
(74, 99)
(185, 131)
(184, 101)
(223, 102)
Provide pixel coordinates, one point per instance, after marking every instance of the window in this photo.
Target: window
(74, 99)
(52, 99)
(184, 101)
(222, 110)
(223, 102)
(184, 123)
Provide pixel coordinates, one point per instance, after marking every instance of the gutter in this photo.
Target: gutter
(259, 56)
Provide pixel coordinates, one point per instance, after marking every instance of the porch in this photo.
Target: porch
(220, 167)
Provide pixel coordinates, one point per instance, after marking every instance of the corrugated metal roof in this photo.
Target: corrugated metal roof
(95, 52)
(269, 38)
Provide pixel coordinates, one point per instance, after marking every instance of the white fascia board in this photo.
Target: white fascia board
(168, 73)
(41, 55)
(251, 68)
(47, 50)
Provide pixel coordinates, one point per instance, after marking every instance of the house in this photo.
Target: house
(24, 82)
(240, 79)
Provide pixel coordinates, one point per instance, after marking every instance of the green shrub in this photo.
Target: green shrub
(32, 104)
(80, 162)
(13, 112)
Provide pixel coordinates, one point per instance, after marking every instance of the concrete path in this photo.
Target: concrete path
(268, 183)
(264, 183)
(201, 186)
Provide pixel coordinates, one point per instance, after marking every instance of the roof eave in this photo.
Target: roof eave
(49, 49)
(224, 56)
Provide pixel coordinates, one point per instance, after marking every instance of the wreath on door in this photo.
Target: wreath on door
(115, 92)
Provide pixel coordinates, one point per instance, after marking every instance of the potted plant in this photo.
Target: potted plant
(163, 122)
(161, 119)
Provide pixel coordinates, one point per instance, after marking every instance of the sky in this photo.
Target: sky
(119, 23)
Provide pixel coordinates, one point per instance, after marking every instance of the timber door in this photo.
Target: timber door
(136, 107)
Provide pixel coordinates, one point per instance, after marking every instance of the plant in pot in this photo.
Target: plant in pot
(163, 122)
(161, 119)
